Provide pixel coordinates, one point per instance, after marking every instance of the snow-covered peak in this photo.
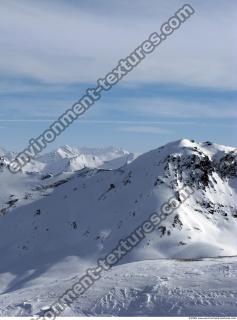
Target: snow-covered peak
(67, 151)
(58, 154)
(69, 159)
(187, 147)
(2, 152)
(6, 156)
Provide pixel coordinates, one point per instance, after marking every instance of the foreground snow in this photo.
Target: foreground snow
(205, 287)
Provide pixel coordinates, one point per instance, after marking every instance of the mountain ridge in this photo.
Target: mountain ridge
(125, 196)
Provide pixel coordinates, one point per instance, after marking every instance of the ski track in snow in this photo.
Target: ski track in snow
(205, 287)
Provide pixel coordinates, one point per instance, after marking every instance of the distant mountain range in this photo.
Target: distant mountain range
(68, 159)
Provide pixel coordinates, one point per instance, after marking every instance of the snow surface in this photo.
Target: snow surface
(148, 288)
(54, 224)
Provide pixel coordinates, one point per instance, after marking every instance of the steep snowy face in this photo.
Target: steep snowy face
(207, 221)
(199, 165)
(64, 152)
(85, 214)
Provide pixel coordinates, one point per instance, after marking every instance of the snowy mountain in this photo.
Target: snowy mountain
(56, 165)
(5, 156)
(77, 217)
(68, 159)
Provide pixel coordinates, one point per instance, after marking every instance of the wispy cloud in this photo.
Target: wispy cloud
(51, 51)
(144, 129)
(75, 41)
(122, 108)
(177, 108)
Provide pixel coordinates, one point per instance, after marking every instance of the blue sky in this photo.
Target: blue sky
(54, 50)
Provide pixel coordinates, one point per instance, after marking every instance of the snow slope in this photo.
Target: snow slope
(72, 221)
(147, 288)
(53, 166)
